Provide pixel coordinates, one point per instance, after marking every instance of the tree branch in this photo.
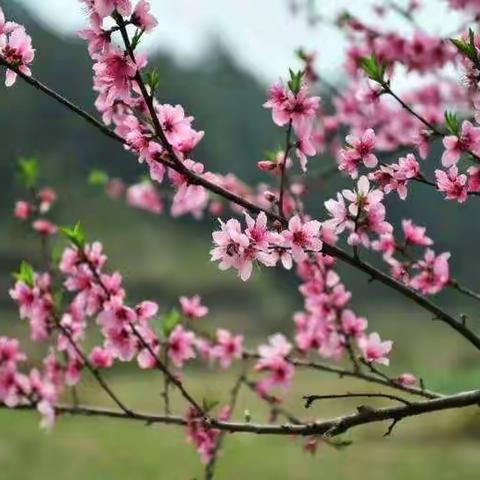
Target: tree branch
(332, 427)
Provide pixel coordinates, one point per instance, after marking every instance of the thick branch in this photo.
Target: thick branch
(332, 427)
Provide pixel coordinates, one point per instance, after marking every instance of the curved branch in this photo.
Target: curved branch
(332, 427)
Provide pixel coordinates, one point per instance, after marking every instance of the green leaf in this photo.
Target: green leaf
(374, 69)
(467, 48)
(452, 123)
(98, 178)
(295, 82)
(170, 321)
(208, 404)
(75, 234)
(28, 171)
(25, 274)
(153, 80)
(136, 38)
(270, 155)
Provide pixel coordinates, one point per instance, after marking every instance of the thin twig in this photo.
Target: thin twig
(310, 399)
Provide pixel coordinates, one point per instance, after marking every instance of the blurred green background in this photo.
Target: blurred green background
(162, 259)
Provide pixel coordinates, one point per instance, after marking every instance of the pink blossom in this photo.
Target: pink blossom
(468, 141)
(407, 168)
(386, 244)
(434, 273)
(44, 227)
(101, 358)
(227, 348)
(304, 145)
(257, 230)
(362, 197)
(360, 149)
(473, 179)
(145, 197)
(116, 314)
(142, 17)
(239, 250)
(290, 107)
(452, 184)
(146, 310)
(104, 8)
(352, 325)
(98, 39)
(180, 346)
(374, 350)
(203, 438)
(6, 27)
(230, 243)
(192, 307)
(414, 234)
(273, 359)
(120, 342)
(395, 177)
(147, 357)
(17, 50)
(189, 198)
(114, 73)
(278, 346)
(10, 353)
(47, 197)
(301, 237)
(339, 213)
(22, 210)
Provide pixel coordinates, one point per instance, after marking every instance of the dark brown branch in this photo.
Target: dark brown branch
(332, 427)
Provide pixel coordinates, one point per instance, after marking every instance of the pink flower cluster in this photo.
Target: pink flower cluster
(395, 177)
(364, 216)
(36, 210)
(327, 325)
(116, 74)
(297, 109)
(360, 150)
(204, 439)
(274, 360)
(15, 48)
(42, 388)
(428, 275)
(239, 249)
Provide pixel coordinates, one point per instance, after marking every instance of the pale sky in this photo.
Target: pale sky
(261, 34)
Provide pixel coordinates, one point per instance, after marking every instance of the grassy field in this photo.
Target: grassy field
(440, 447)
